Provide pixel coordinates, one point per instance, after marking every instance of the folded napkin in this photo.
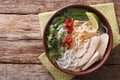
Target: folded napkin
(107, 10)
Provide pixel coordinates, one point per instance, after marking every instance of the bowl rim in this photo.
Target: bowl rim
(109, 46)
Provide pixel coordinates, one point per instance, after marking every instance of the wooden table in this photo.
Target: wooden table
(21, 42)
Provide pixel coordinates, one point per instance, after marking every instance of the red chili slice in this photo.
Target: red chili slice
(69, 31)
(68, 46)
(68, 40)
(69, 23)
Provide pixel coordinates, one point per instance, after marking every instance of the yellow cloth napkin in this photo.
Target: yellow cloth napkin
(107, 10)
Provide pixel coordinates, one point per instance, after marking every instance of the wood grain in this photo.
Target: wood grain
(20, 38)
(23, 72)
(36, 6)
(18, 27)
(38, 72)
(22, 51)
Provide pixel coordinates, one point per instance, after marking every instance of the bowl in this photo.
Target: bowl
(103, 20)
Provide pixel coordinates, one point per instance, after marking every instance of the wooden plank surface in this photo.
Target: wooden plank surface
(18, 27)
(23, 72)
(22, 51)
(38, 72)
(21, 41)
(31, 6)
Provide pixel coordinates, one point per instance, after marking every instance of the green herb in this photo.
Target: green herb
(54, 40)
(76, 14)
(59, 20)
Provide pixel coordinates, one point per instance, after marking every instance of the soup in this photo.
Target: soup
(76, 39)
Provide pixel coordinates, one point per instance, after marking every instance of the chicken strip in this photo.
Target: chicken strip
(92, 47)
(94, 59)
(104, 38)
(83, 50)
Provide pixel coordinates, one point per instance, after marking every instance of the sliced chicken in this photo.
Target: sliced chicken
(83, 50)
(94, 59)
(92, 47)
(104, 38)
